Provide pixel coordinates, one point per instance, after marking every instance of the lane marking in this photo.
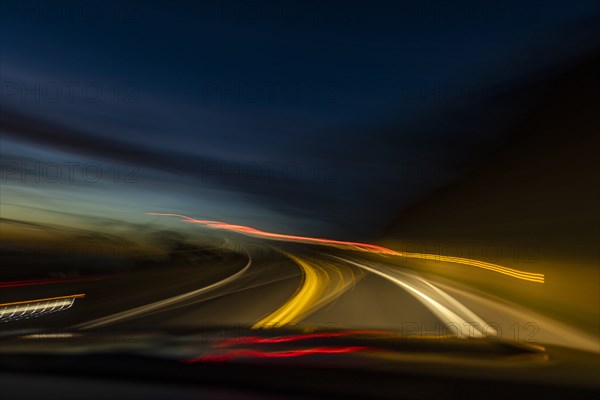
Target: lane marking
(141, 310)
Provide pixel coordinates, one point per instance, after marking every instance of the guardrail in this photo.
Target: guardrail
(36, 308)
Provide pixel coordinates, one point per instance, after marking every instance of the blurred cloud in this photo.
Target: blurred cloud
(305, 118)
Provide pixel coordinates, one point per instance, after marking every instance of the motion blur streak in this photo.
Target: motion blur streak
(145, 309)
(46, 281)
(309, 291)
(296, 338)
(322, 283)
(445, 307)
(45, 336)
(72, 296)
(247, 230)
(370, 248)
(527, 276)
(280, 354)
(35, 308)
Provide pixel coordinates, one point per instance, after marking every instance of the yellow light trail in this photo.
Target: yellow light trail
(316, 290)
(306, 294)
(514, 273)
(365, 247)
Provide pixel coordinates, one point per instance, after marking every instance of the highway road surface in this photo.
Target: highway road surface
(263, 280)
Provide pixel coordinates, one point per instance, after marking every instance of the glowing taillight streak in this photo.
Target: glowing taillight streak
(371, 248)
(44, 281)
(234, 354)
(247, 230)
(296, 338)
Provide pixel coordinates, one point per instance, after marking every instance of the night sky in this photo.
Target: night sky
(323, 118)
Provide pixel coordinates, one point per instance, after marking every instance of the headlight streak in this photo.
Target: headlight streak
(46, 336)
(161, 304)
(36, 308)
(445, 307)
(370, 248)
(315, 291)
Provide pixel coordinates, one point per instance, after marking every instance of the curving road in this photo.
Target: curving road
(278, 282)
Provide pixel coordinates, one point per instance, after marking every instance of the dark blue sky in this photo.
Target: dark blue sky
(303, 116)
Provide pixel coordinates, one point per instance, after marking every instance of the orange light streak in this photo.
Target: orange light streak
(16, 303)
(366, 247)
